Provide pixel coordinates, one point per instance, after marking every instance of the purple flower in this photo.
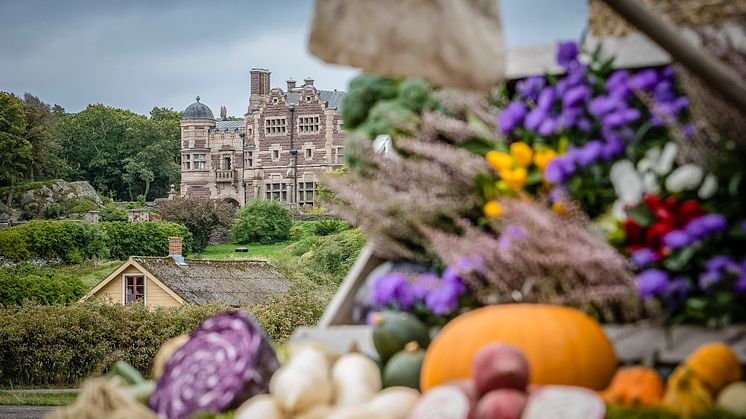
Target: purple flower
(613, 147)
(546, 98)
(444, 299)
(529, 88)
(688, 130)
(393, 288)
(676, 239)
(740, 285)
(567, 54)
(621, 117)
(721, 263)
(643, 257)
(576, 96)
(602, 105)
(535, 118)
(554, 172)
(589, 153)
(645, 79)
(678, 287)
(512, 233)
(584, 124)
(618, 81)
(548, 126)
(713, 223)
(424, 284)
(667, 72)
(512, 116)
(652, 282)
(470, 264)
(709, 278)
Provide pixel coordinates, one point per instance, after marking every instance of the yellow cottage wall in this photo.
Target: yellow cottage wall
(155, 296)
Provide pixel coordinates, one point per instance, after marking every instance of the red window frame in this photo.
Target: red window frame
(134, 289)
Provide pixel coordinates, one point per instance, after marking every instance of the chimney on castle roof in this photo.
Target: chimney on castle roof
(223, 113)
(307, 82)
(291, 85)
(259, 82)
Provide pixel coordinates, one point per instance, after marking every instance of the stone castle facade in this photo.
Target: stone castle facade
(285, 141)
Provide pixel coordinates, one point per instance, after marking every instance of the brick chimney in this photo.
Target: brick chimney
(259, 81)
(174, 246)
(291, 85)
(307, 82)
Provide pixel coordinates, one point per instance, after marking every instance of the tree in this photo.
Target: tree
(262, 221)
(15, 150)
(41, 121)
(201, 216)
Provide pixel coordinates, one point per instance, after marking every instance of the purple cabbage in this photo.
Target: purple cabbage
(227, 360)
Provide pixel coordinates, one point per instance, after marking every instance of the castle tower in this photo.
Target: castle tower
(259, 80)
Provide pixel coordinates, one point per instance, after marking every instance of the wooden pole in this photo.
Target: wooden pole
(718, 76)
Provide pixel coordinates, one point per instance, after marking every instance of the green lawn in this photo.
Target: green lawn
(90, 272)
(35, 399)
(226, 251)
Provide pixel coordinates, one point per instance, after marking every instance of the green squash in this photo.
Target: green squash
(392, 330)
(403, 369)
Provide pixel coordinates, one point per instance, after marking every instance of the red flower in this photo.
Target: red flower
(633, 232)
(654, 234)
(688, 210)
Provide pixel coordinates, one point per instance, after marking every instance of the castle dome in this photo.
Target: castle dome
(198, 110)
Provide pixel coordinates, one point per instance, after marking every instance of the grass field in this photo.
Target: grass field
(36, 399)
(226, 251)
(90, 272)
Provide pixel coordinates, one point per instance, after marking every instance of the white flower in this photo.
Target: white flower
(684, 178)
(708, 188)
(649, 161)
(667, 157)
(627, 182)
(650, 183)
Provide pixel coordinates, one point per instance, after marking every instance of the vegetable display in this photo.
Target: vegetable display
(716, 365)
(562, 345)
(634, 386)
(226, 360)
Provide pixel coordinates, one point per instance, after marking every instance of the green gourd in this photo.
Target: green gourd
(403, 369)
(393, 330)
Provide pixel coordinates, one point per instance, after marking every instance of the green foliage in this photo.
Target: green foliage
(71, 242)
(79, 205)
(15, 150)
(13, 245)
(303, 305)
(61, 345)
(112, 212)
(335, 254)
(45, 161)
(390, 118)
(28, 283)
(329, 226)
(149, 238)
(201, 216)
(262, 221)
(365, 90)
(414, 95)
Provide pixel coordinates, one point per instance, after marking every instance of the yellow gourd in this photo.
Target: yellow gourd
(716, 365)
(685, 394)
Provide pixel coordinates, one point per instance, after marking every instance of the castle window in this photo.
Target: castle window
(199, 161)
(309, 152)
(306, 193)
(249, 159)
(226, 163)
(276, 191)
(275, 154)
(274, 126)
(340, 155)
(308, 124)
(308, 98)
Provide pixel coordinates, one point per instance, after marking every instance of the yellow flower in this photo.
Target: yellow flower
(522, 153)
(515, 179)
(493, 209)
(559, 208)
(499, 160)
(542, 158)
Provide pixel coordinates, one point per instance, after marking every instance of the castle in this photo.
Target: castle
(279, 149)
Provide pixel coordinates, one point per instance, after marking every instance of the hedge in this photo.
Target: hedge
(73, 242)
(262, 221)
(29, 283)
(148, 238)
(59, 345)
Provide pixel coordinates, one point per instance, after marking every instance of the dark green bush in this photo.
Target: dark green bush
(335, 254)
(329, 226)
(149, 238)
(13, 245)
(112, 212)
(201, 216)
(29, 283)
(71, 242)
(262, 221)
(303, 305)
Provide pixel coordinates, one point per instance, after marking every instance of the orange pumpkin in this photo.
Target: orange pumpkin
(634, 386)
(562, 345)
(716, 365)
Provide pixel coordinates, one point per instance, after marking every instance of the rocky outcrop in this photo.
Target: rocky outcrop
(50, 199)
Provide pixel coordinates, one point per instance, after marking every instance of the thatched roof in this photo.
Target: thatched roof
(232, 282)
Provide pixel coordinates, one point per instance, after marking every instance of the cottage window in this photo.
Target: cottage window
(134, 289)
(308, 124)
(275, 126)
(306, 193)
(199, 161)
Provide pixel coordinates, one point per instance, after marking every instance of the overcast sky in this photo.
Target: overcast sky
(137, 54)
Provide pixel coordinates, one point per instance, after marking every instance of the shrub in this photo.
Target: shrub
(79, 205)
(262, 221)
(202, 217)
(13, 245)
(112, 212)
(303, 305)
(29, 283)
(303, 245)
(149, 238)
(335, 254)
(329, 226)
(71, 242)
